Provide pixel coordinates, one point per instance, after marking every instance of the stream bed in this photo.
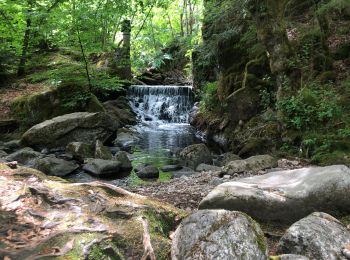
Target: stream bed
(163, 129)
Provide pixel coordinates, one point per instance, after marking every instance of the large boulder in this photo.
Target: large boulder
(196, 154)
(76, 127)
(318, 236)
(285, 196)
(254, 163)
(55, 166)
(102, 168)
(218, 234)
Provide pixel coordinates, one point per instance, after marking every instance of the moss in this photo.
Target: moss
(345, 220)
(67, 98)
(343, 52)
(4, 167)
(260, 238)
(331, 158)
(327, 76)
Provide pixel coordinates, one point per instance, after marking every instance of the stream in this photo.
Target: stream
(163, 128)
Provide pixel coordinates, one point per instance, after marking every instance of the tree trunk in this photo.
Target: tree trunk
(22, 63)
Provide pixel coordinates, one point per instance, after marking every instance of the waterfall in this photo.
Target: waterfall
(164, 104)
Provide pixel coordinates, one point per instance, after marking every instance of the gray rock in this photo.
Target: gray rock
(54, 166)
(140, 166)
(318, 236)
(285, 196)
(126, 138)
(254, 163)
(229, 157)
(24, 156)
(12, 146)
(218, 234)
(79, 150)
(123, 158)
(102, 168)
(102, 152)
(206, 168)
(171, 168)
(148, 172)
(3, 154)
(196, 154)
(185, 171)
(76, 127)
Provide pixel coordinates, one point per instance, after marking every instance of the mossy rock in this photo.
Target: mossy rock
(68, 98)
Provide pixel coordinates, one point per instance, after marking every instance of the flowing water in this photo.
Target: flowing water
(163, 127)
(163, 114)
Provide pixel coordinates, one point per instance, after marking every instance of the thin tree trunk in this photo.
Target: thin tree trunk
(22, 63)
(85, 61)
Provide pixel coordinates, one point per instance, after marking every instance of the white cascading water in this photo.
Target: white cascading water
(161, 104)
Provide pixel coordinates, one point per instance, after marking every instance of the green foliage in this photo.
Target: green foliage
(209, 98)
(104, 85)
(313, 106)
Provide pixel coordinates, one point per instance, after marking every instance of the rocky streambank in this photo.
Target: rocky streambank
(210, 207)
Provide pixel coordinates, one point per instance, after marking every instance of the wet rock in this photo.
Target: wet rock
(171, 168)
(126, 138)
(218, 234)
(196, 154)
(12, 146)
(206, 168)
(148, 172)
(24, 156)
(77, 127)
(285, 196)
(123, 158)
(254, 163)
(79, 150)
(102, 152)
(102, 168)
(318, 236)
(121, 110)
(54, 166)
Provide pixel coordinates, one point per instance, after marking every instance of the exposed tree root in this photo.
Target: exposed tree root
(148, 249)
